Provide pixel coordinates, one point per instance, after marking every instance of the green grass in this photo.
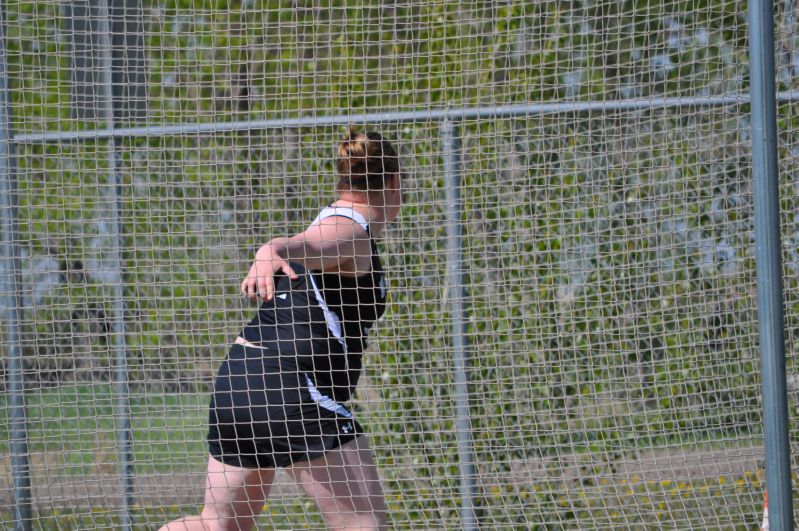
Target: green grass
(75, 428)
(72, 429)
(297, 514)
(71, 432)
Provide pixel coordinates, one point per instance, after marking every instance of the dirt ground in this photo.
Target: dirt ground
(55, 490)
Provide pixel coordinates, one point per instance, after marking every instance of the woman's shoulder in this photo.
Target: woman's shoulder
(343, 212)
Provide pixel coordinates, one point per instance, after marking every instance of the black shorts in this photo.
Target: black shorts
(266, 412)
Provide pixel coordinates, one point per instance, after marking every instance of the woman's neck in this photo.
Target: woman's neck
(374, 214)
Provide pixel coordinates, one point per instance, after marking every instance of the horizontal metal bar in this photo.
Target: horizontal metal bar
(420, 116)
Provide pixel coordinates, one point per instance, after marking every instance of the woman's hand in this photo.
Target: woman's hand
(323, 246)
(260, 281)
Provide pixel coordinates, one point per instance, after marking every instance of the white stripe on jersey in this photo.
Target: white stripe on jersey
(344, 212)
(325, 401)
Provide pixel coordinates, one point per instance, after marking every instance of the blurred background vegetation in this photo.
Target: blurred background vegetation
(609, 255)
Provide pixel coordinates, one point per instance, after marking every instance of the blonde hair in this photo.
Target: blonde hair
(365, 160)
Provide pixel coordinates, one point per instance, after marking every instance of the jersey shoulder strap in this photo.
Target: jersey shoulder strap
(344, 212)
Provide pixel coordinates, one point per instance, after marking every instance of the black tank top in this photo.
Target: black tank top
(324, 309)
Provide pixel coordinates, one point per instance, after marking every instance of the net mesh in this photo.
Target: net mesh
(609, 299)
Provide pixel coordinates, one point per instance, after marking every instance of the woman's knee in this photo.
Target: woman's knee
(363, 521)
(353, 512)
(214, 521)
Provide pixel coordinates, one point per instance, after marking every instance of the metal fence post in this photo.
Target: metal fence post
(122, 414)
(451, 150)
(10, 299)
(769, 264)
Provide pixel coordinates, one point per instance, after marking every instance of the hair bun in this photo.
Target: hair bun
(364, 160)
(353, 152)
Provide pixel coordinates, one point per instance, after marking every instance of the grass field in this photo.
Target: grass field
(71, 438)
(294, 515)
(76, 486)
(79, 423)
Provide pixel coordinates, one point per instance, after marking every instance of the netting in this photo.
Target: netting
(608, 298)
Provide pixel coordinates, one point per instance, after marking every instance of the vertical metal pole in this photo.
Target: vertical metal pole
(10, 299)
(123, 423)
(769, 267)
(452, 170)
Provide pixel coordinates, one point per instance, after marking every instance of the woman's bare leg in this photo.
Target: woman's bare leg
(346, 487)
(234, 497)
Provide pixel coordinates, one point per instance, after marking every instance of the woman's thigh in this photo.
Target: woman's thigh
(235, 496)
(345, 484)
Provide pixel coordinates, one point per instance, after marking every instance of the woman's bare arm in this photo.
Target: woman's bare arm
(324, 246)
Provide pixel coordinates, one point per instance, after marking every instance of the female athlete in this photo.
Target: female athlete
(279, 398)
